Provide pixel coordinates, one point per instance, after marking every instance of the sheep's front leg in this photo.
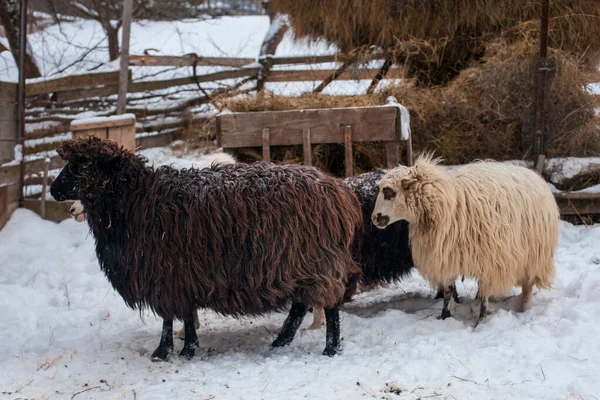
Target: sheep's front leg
(332, 341)
(291, 325)
(166, 342)
(191, 339)
(447, 297)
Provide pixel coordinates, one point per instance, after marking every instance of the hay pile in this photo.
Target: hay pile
(488, 110)
(438, 38)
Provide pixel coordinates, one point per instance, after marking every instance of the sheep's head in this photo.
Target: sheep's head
(391, 204)
(407, 193)
(90, 161)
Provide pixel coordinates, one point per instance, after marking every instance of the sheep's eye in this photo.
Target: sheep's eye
(388, 193)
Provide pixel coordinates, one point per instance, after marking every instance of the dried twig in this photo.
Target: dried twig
(85, 390)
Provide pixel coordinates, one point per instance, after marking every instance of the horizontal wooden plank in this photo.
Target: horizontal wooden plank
(8, 91)
(106, 123)
(55, 211)
(158, 140)
(9, 175)
(320, 59)
(578, 203)
(188, 61)
(78, 94)
(36, 166)
(7, 150)
(326, 126)
(217, 76)
(46, 132)
(38, 180)
(8, 129)
(14, 193)
(8, 111)
(72, 82)
(322, 74)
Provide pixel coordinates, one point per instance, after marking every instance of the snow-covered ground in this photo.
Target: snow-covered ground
(65, 332)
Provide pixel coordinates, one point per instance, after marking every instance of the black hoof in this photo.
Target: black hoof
(330, 351)
(161, 353)
(445, 314)
(188, 352)
(280, 342)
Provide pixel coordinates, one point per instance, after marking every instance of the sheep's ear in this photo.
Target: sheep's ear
(109, 162)
(407, 183)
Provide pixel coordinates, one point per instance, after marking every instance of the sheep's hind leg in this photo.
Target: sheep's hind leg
(318, 319)
(447, 296)
(291, 325)
(526, 295)
(332, 341)
(483, 311)
(181, 333)
(191, 339)
(440, 294)
(166, 342)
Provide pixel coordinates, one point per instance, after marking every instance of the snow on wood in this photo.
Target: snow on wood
(100, 120)
(560, 169)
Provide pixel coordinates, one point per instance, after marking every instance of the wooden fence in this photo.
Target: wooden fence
(106, 83)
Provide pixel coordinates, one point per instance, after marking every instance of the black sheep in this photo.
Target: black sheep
(238, 239)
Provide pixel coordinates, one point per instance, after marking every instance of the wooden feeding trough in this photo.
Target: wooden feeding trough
(120, 128)
(387, 124)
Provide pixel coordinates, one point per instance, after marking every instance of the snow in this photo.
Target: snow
(80, 46)
(64, 329)
(18, 154)
(93, 120)
(167, 156)
(561, 169)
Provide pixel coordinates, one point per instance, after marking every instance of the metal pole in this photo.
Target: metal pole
(21, 93)
(124, 56)
(541, 72)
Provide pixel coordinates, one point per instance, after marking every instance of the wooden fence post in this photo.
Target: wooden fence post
(124, 57)
(348, 149)
(266, 145)
(44, 188)
(306, 146)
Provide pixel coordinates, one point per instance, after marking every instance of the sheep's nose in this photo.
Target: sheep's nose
(381, 220)
(72, 210)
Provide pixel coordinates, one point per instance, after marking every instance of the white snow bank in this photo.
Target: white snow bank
(64, 329)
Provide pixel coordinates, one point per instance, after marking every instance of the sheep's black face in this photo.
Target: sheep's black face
(64, 186)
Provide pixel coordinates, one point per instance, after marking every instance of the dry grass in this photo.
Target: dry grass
(437, 38)
(488, 110)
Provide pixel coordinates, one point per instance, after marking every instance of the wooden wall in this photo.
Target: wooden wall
(8, 121)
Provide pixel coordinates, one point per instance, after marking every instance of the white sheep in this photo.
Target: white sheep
(495, 222)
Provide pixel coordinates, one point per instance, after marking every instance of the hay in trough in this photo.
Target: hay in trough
(438, 38)
(486, 112)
